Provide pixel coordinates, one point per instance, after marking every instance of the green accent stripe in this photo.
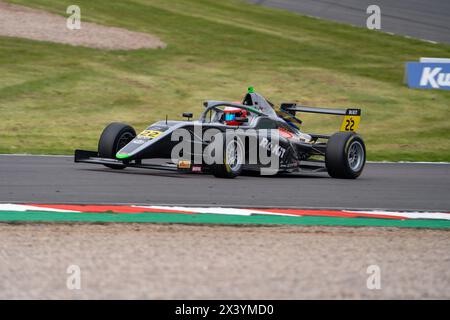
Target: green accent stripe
(206, 218)
(122, 155)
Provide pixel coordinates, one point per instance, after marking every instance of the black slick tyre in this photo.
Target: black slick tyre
(113, 138)
(345, 155)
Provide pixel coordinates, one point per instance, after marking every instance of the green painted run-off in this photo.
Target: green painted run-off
(43, 216)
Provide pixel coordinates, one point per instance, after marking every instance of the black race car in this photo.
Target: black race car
(231, 138)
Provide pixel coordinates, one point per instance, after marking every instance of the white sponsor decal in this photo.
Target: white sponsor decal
(138, 141)
(434, 78)
(273, 147)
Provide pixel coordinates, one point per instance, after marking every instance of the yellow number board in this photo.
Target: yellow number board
(351, 120)
(149, 134)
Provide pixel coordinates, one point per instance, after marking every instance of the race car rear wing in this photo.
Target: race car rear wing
(350, 122)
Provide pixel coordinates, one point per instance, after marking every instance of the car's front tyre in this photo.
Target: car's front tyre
(345, 155)
(113, 138)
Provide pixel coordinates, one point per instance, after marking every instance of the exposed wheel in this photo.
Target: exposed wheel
(345, 155)
(114, 137)
(233, 160)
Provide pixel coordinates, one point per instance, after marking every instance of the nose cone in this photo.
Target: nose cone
(122, 155)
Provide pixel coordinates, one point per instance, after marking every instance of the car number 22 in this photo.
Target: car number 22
(149, 134)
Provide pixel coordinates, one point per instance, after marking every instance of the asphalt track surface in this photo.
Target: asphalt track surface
(173, 261)
(423, 19)
(48, 179)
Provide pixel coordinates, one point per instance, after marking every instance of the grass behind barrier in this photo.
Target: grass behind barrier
(55, 98)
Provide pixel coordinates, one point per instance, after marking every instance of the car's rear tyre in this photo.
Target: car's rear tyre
(345, 155)
(114, 137)
(232, 160)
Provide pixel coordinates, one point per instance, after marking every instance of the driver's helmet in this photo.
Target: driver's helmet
(231, 113)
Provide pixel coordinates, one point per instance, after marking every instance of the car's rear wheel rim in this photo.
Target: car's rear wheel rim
(355, 156)
(233, 156)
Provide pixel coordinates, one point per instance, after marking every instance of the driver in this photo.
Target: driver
(234, 116)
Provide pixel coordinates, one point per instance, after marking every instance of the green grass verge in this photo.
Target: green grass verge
(36, 216)
(55, 98)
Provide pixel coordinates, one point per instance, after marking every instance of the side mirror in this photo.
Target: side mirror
(188, 115)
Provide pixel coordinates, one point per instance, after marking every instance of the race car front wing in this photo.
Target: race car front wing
(93, 157)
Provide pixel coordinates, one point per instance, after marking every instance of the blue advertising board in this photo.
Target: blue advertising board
(428, 75)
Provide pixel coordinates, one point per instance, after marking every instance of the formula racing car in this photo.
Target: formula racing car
(231, 138)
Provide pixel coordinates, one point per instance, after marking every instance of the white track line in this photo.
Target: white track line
(273, 211)
(243, 211)
(23, 208)
(217, 210)
(407, 214)
(228, 205)
(408, 162)
(36, 155)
